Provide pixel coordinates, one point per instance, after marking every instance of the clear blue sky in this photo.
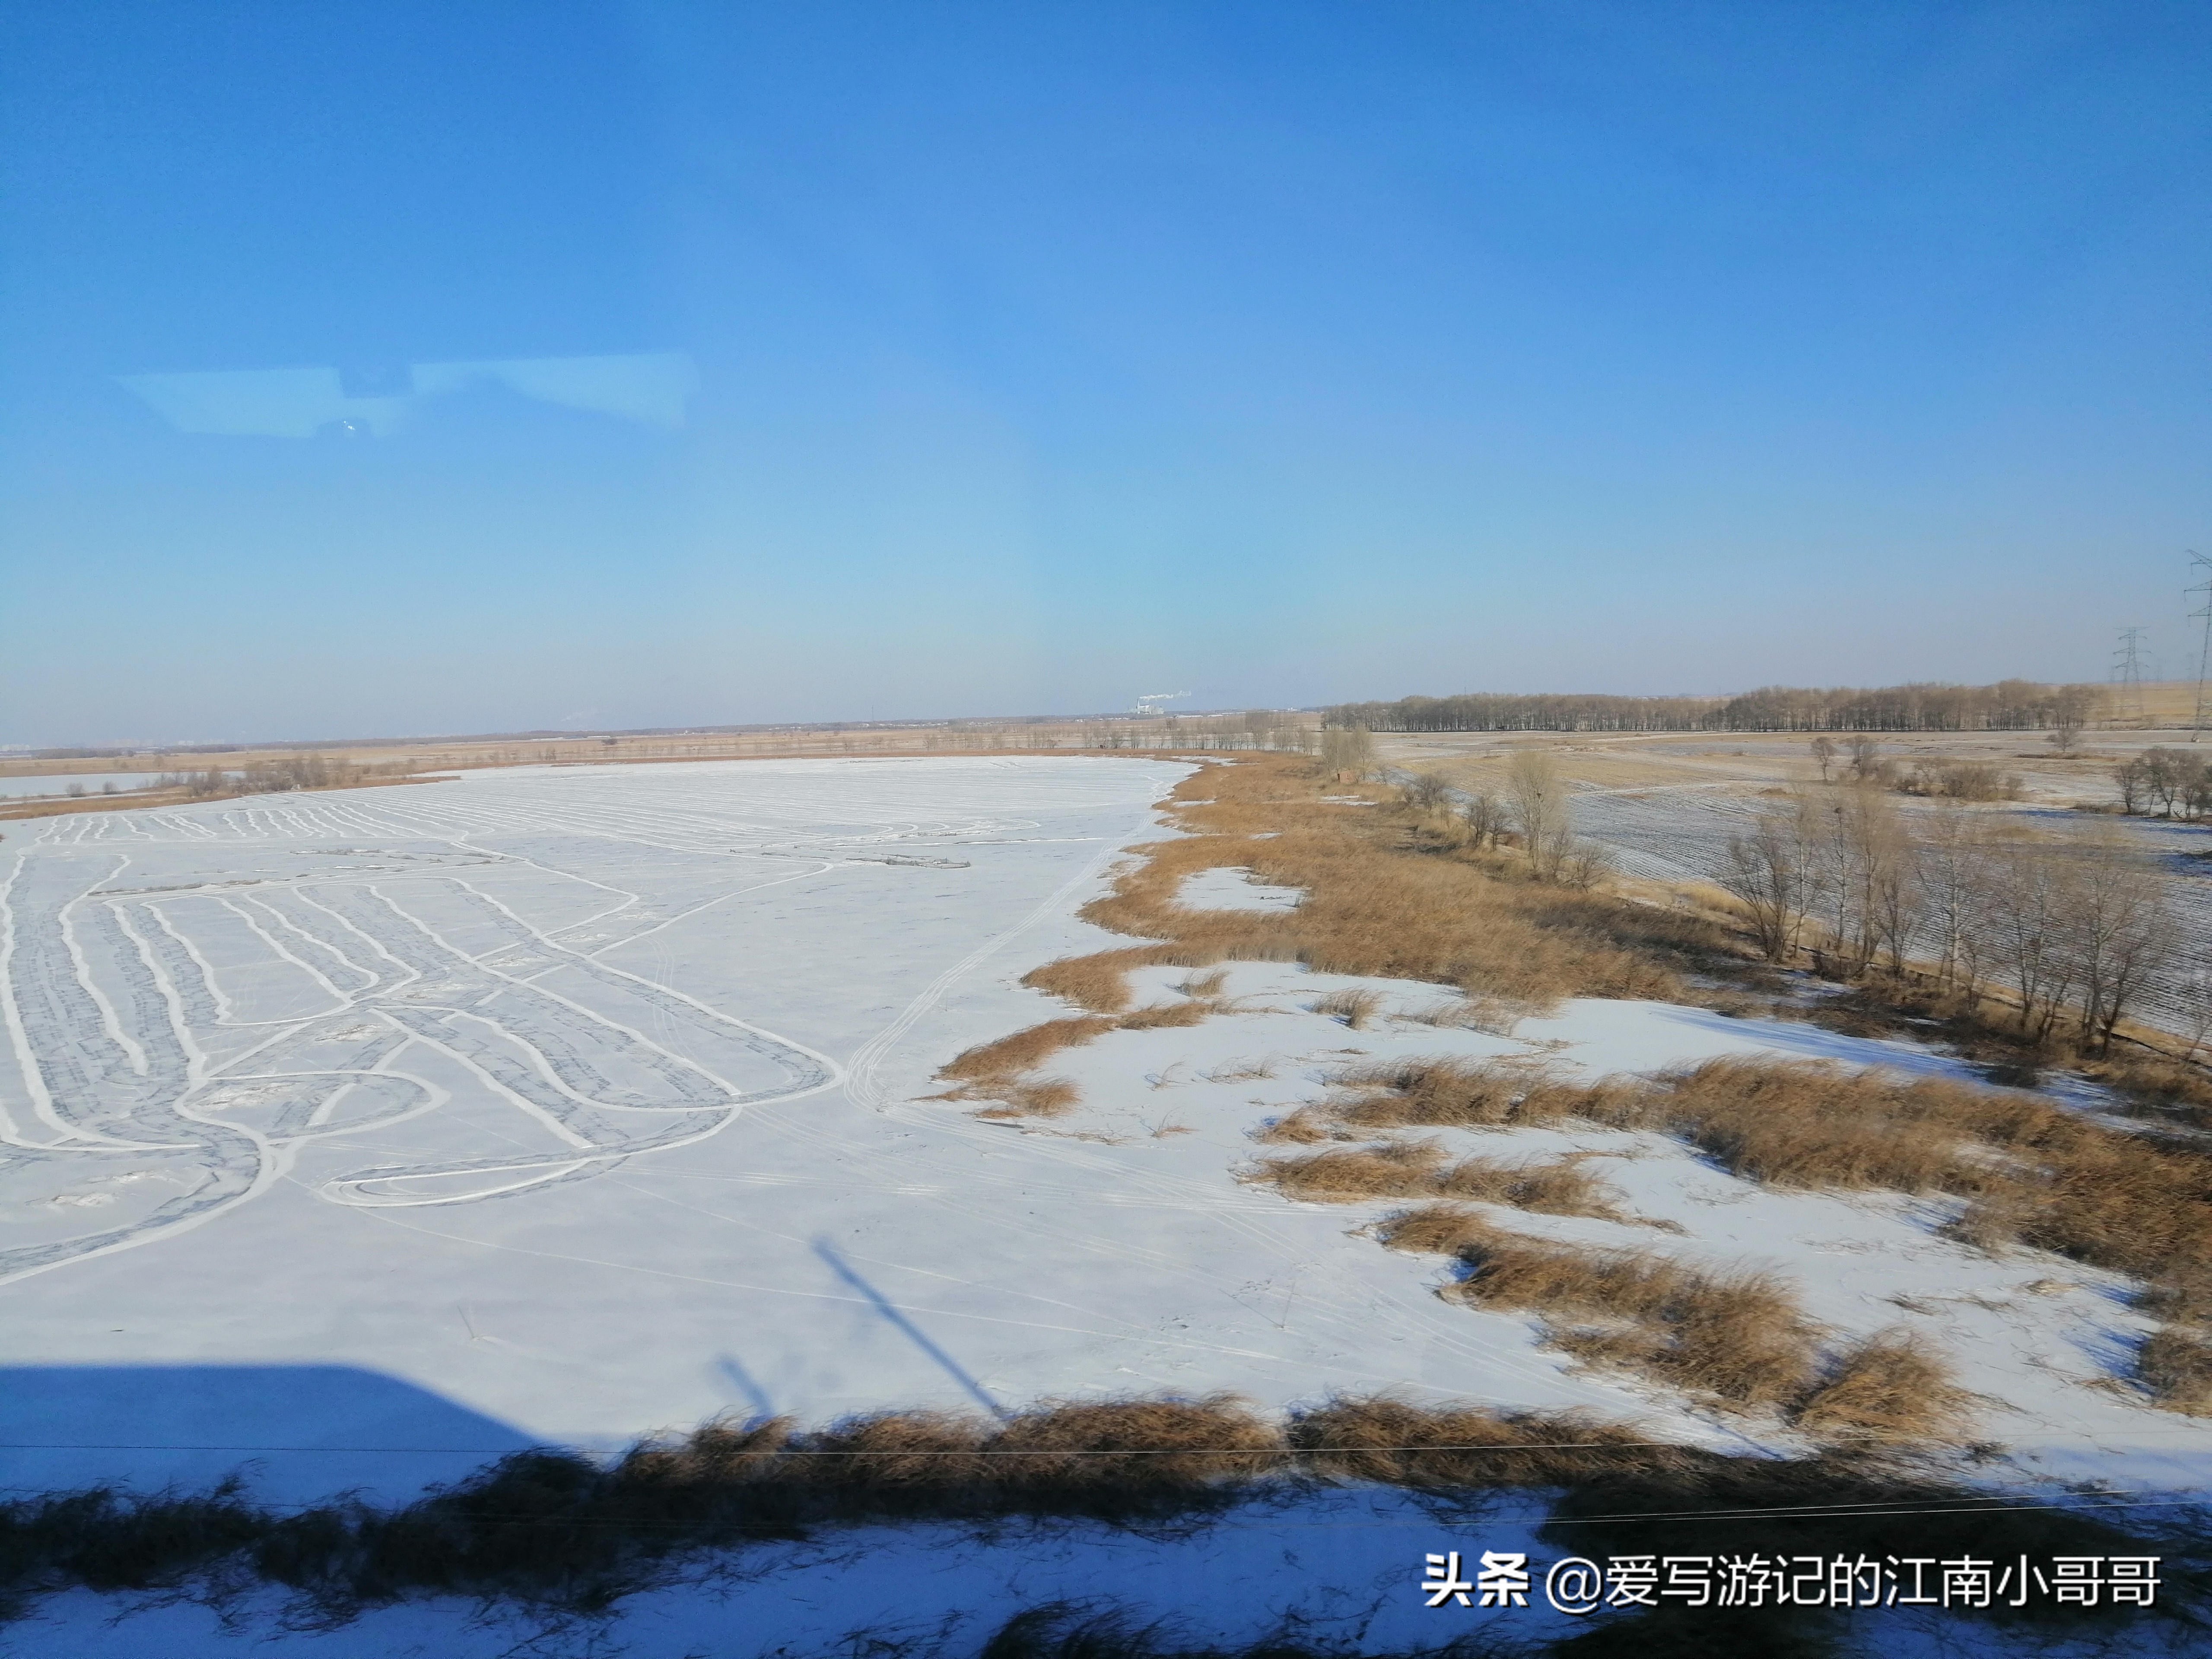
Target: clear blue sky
(1049, 354)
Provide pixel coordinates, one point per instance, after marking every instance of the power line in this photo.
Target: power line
(2127, 674)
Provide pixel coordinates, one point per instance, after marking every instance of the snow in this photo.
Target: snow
(558, 1096)
(356, 1138)
(58, 783)
(1231, 887)
(1343, 1564)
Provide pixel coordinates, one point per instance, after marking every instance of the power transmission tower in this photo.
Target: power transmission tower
(2204, 651)
(2127, 674)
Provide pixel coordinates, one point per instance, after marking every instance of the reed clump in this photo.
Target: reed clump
(557, 1530)
(1349, 1175)
(1891, 1386)
(1734, 1336)
(2176, 1367)
(2029, 1173)
(2033, 1173)
(1355, 1007)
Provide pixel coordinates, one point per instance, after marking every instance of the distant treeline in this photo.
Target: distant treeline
(2008, 706)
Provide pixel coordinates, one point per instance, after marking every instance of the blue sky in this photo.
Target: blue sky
(1042, 355)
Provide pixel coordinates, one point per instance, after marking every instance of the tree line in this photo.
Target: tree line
(2173, 783)
(2075, 923)
(272, 777)
(2009, 705)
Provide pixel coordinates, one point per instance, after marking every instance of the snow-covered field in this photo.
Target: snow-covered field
(402, 1127)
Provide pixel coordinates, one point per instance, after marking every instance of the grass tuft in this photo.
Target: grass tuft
(1889, 1386)
(2176, 1367)
(1735, 1336)
(1355, 1007)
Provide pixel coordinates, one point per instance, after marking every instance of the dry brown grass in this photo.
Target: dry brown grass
(1099, 983)
(1354, 1007)
(1382, 899)
(1349, 1175)
(557, 1530)
(2176, 1367)
(1477, 1095)
(1492, 1016)
(1165, 1013)
(1010, 1056)
(2033, 1172)
(1377, 903)
(1345, 1174)
(1889, 1386)
(1242, 1071)
(1389, 1441)
(1147, 1444)
(1303, 1127)
(1736, 1336)
(1026, 1096)
(1559, 1187)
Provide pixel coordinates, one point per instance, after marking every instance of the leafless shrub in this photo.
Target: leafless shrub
(1425, 793)
(1485, 815)
(1583, 864)
(1962, 780)
(1769, 873)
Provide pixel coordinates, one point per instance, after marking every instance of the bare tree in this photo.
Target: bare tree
(2032, 909)
(1895, 903)
(1347, 753)
(1857, 860)
(2119, 928)
(1765, 870)
(1540, 812)
(2132, 776)
(1485, 815)
(1824, 754)
(1586, 863)
(1868, 763)
(1951, 867)
(2066, 727)
(2200, 1011)
(1426, 793)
